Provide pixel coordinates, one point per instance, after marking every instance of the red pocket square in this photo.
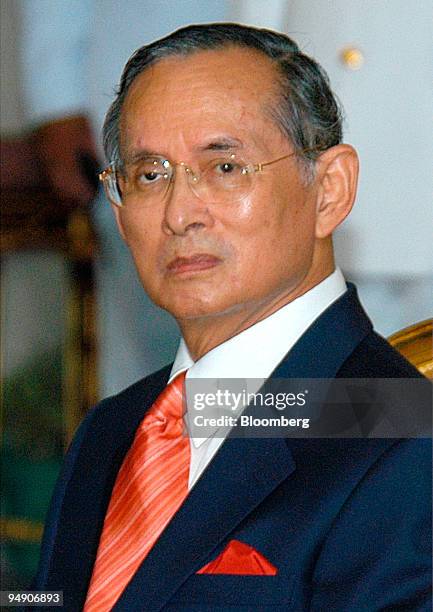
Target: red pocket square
(240, 558)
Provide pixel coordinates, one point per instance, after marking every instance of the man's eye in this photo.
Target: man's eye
(148, 177)
(226, 167)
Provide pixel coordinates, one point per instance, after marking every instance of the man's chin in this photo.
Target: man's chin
(190, 314)
(196, 309)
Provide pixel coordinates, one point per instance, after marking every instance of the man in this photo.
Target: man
(227, 179)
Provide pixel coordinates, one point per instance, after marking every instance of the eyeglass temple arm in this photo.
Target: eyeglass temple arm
(259, 167)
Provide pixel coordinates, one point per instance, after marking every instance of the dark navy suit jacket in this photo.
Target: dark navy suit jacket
(345, 521)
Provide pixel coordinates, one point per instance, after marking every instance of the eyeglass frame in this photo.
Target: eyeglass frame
(105, 174)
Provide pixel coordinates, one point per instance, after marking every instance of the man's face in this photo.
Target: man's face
(198, 258)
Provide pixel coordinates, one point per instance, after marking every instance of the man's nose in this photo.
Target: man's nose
(184, 211)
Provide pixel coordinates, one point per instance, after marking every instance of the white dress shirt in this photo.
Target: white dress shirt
(255, 353)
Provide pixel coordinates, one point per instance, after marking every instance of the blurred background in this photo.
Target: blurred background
(76, 324)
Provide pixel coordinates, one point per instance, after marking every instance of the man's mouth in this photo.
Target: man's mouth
(194, 263)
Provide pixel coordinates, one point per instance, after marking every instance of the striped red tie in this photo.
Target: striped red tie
(150, 486)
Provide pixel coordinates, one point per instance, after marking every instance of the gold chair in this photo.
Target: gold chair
(416, 344)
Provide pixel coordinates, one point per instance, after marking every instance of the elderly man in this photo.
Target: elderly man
(227, 179)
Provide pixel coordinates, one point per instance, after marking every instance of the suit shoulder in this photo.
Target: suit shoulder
(374, 357)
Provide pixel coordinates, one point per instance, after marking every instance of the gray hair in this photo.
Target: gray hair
(307, 111)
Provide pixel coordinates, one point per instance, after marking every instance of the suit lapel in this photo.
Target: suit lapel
(329, 341)
(244, 471)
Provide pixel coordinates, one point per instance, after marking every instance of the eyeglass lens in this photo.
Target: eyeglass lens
(220, 180)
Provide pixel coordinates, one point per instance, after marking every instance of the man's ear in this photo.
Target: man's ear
(337, 178)
(117, 210)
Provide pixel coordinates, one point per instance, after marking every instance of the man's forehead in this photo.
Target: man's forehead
(227, 74)
(213, 86)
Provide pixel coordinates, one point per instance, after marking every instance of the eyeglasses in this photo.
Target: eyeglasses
(147, 181)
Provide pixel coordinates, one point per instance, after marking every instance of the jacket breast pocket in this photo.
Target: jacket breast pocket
(222, 591)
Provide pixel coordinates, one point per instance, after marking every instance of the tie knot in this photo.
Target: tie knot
(168, 409)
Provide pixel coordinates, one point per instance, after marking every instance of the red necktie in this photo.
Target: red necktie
(150, 487)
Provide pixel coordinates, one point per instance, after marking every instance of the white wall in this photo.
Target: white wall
(388, 104)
